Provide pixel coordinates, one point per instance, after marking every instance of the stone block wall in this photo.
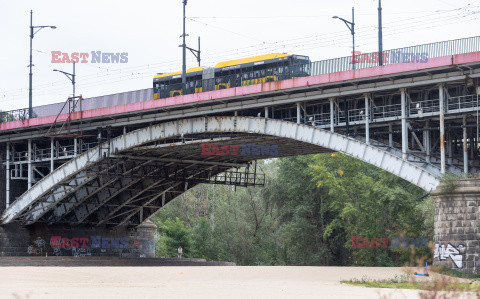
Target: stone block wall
(78, 241)
(456, 226)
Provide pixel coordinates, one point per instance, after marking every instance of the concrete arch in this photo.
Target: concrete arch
(71, 177)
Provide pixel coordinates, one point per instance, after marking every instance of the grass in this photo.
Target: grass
(454, 273)
(444, 284)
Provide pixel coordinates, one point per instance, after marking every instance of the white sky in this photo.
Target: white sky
(150, 32)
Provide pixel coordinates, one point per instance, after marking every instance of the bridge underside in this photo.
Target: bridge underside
(129, 178)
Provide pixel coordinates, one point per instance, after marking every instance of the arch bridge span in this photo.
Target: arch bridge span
(127, 179)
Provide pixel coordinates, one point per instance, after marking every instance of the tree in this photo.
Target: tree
(176, 235)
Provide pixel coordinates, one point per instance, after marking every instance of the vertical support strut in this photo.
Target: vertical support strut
(332, 114)
(266, 112)
(75, 146)
(52, 149)
(465, 145)
(449, 148)
(367, 119)
(442, 128)
(7, 186)
(298, 113)
(404, 125)
(426, 141)
(390, 135)
(29, 169)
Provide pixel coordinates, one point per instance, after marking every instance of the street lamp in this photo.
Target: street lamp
(351, 26)
(32, 34)
(71, 77)
(184, 46)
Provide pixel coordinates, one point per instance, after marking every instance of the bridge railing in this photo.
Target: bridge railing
(431, 50)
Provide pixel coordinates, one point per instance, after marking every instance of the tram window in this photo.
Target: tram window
(280, 70)
(262, 72)
(269, 72)
(251, 75)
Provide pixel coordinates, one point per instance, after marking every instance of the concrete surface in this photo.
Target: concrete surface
(193, 282)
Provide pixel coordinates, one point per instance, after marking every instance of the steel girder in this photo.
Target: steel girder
(69, 194)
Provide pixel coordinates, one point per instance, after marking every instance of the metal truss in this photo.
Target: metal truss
(93, 188)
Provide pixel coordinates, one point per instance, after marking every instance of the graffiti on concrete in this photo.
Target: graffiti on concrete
(452, 252)
(98, 245)
(38, 247)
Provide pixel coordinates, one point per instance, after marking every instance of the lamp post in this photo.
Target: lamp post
(351, 26)
(184, 50)
(71, 77)
(32, 34)
(380, 38)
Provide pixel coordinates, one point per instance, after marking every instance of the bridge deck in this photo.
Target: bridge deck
(319, 81)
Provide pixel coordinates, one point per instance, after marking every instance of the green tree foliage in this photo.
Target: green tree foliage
(306, 214)
(176, 234)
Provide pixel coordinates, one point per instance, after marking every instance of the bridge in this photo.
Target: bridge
(116, 165)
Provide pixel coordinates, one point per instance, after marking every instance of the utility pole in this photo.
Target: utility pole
(380, 38)
(184, 50)
(30, 75)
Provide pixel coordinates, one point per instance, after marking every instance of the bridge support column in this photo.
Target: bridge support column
(29, 169)
(266, 112)
(456, 237)
(442, 128)
(465, 146)
(404, 125)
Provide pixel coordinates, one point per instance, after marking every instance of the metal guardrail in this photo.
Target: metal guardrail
(380, 113)
(437, 49)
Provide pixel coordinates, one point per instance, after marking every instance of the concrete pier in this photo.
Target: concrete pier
(456, 237)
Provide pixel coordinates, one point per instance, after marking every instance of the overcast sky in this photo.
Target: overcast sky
(149, 31)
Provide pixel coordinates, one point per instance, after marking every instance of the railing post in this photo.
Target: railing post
(442, 128)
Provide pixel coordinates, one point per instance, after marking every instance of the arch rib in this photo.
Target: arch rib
(234, 124)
